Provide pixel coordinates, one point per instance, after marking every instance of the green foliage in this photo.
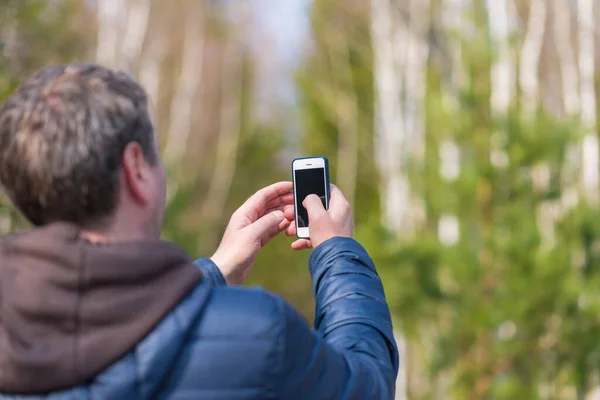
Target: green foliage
(36, 33)
(507, 310)
(33, 33)
(510, 312)
(339, 44)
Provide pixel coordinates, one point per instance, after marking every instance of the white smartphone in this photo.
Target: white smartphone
(310, 176)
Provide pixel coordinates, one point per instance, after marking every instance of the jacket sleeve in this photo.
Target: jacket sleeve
(211, 271)
(351, 353)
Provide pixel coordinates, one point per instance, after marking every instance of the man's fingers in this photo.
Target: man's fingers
(281, 207)
(260, 200)
(314, 206)
(338, 204)
(284, 199)
(288, 211)
(268, 226)
(301, 244)
(291, 230)
(284, 224)
(336, 195)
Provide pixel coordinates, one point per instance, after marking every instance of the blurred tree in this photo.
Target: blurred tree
(223, 154)
(336, 102)
(505, 305)
(497, 303)
(34, 34)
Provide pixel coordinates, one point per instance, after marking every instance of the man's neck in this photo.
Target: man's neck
(100, 236)
(96, 238)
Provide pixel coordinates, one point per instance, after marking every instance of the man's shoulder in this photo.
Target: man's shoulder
(237, 329)
(251, 313)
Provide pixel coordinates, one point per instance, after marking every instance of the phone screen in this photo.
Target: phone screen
(308, 181)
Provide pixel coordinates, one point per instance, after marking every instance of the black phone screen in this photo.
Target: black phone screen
(308, 181)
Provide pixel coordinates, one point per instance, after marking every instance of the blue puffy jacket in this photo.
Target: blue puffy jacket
(233, 343)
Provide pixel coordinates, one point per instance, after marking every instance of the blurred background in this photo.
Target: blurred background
(463, 132)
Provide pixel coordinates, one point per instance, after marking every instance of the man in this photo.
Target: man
(94, 306)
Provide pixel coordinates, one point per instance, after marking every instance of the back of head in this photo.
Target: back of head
(62, 136)
(78, 156)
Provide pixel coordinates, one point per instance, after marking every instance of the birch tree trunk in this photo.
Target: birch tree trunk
(570, 99)
(400, 48)
(108, 17)
(454, 20)
(589, 154)
(388, 34)
(531, 52)
(138, 16)
(415, 88)
(149, 73)
(413, 68)
(503, 68)
(347, 116)
(567, 62)
(229, 133)
(122, 30)
(190, 76)
(417, 50)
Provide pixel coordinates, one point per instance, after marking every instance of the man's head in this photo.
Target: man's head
(77, 145)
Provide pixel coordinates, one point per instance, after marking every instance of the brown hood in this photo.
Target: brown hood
(69, 308)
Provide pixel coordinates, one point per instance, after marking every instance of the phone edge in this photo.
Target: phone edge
(327, 187)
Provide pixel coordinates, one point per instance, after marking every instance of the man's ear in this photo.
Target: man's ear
(136, 172)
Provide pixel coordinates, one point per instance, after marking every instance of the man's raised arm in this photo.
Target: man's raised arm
(351, 353)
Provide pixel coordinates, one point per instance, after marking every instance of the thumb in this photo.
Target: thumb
(266, 227)
(313, 206)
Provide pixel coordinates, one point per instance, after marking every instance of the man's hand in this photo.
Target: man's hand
(324, 224)
(251, 226)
